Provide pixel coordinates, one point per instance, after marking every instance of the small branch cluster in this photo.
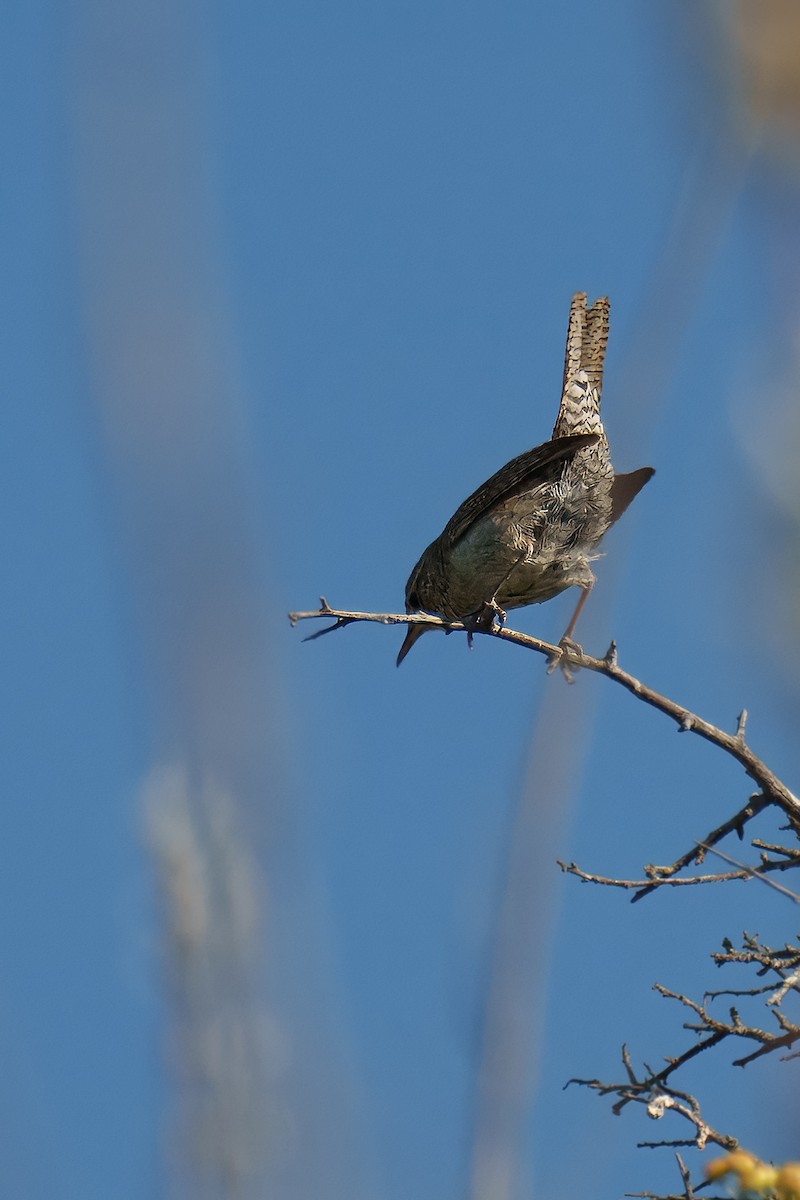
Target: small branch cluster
(783, 965)
(658, 1097)
(654, 1089)
(734, 1027)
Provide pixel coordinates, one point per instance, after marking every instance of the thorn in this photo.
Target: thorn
(741, 725)
(324, 606)
(610, 658)
(340, 624)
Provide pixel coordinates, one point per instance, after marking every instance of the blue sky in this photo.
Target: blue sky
(362, 225)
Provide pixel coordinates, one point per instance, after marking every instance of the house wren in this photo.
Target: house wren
(532, 530)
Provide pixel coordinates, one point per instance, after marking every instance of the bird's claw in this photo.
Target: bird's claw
(567, 649)
(489, 612)
(483, 621)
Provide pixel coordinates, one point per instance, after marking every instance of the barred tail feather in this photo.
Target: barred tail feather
(587, 337)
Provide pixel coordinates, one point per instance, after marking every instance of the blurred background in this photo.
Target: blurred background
(281, 285)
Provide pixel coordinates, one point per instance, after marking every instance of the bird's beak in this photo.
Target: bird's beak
(414, 633)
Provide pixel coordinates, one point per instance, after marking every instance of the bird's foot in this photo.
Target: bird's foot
(489, 612)
(565, 659)
(483, 620)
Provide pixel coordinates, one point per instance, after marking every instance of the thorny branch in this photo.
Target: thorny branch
(654, 1090)
(735, 1027)
(658, 1098)
(771, 789)
(665, 876)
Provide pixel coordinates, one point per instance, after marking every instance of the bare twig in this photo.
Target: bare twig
(765, 957)
(686, 1178)
(736, 823)
(788, 852)
(689, 1191)
(653, 1093)
(734, 1027)
(664, 876)
(789, 984)
(773, 790)
(755, 873)
(648, 885)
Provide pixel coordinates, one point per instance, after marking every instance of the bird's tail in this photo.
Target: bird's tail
(587, 338)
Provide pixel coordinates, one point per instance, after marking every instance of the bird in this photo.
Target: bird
(532, 530)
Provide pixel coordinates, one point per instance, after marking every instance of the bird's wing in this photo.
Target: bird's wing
(515, 475)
